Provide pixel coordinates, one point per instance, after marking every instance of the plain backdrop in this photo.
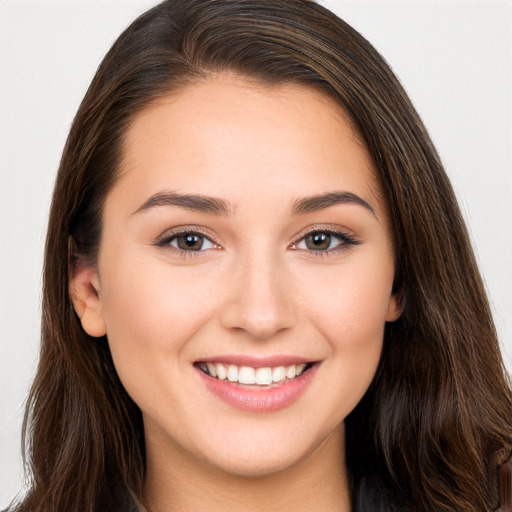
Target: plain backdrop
(454, 58)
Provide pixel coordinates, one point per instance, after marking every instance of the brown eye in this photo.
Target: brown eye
(325, 242)
(186, 241)
(318, 241)
(190, 242)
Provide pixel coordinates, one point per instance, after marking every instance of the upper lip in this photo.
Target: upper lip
(257, 361)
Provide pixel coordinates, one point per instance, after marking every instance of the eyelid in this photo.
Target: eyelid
(167, 236)
(348, 239)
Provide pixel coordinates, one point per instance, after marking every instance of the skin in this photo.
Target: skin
(257, 289)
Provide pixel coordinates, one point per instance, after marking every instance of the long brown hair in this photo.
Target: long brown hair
(435, 422)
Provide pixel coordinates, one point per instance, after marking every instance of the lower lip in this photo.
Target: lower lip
(259, 400)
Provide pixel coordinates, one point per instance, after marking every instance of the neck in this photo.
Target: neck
(316, 482)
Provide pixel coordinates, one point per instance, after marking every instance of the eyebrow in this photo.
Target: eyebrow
(193, 202)
(216, 206)
(322, 201)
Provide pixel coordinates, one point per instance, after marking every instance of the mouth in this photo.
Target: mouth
(258, 386)
(254, 377)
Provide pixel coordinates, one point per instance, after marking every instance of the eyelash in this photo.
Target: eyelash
(166, 240)
(346, 241)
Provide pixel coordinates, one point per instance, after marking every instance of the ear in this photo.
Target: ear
(84, 290)
(395, 307)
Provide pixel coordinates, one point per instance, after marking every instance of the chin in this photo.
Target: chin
(250, 466)
(258, 456)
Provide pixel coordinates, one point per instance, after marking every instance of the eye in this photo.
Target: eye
(320, 241)
(188, 241)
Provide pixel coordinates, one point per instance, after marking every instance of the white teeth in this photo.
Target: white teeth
(278, 373)
(290, 371)
(211, 369)
(247, 375)
(250, 376)
(221, 371)
(264, 376)
(232, 373)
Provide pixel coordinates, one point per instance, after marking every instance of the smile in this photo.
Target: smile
(259, 389)
(248, 375)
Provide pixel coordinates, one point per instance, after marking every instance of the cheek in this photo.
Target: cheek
(351, 304)
(150, 312)
(350, 311)
(148, 297)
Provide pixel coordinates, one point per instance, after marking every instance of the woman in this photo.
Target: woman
(258, 289)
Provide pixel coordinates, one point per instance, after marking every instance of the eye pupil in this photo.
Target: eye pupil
(318, 241)
(190, 242)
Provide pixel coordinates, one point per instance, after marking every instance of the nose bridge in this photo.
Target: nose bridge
(261, 302)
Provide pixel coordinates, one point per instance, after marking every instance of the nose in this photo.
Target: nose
(261, 302)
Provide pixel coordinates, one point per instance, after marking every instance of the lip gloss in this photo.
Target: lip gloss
(264, 400)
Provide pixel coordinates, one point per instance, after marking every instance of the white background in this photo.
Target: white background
(454, 58)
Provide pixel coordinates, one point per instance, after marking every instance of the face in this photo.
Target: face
(244, 275)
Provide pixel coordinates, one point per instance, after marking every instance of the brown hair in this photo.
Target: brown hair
(435, 422)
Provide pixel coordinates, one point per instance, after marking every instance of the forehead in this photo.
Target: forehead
(228, 132)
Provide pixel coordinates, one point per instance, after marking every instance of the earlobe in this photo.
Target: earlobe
(395, 308)
(84, 287)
